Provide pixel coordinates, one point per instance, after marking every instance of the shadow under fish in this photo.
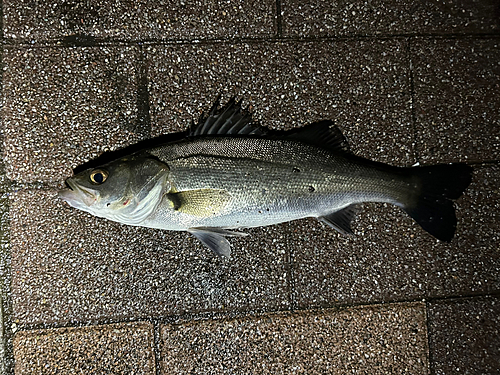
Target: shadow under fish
(226, 173)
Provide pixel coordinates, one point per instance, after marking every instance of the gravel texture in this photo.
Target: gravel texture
(111, 349)
(465, 336)
(143, 19)
(69, 266)
(347, 18)
(375, 340)
(5, 304)
(406, 82)
(65, 106)
(457, 105)
(363, 86)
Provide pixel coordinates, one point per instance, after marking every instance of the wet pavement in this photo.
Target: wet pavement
(406, 83)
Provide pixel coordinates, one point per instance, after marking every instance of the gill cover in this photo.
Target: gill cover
(127, 190)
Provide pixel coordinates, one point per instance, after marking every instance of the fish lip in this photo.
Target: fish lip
(78, 196)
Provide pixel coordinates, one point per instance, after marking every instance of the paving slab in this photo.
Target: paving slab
(363, 86)
(145, 19)
(374, 339)
(5, 303)
(347, 18)
(457, 106)
(464, 336)
(390, 258)
(125, 348)
(69, 266)
(65, 106)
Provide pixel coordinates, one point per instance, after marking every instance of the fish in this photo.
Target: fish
(227, 173)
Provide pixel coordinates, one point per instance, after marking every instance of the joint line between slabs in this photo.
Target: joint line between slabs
(271, 38)
(291, 281)
(429, 341)
(156, 346)
(416, 149)
(241, 314)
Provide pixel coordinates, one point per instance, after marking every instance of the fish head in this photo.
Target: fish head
(125, 190)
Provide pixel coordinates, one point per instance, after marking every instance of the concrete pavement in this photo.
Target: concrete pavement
(406, 83)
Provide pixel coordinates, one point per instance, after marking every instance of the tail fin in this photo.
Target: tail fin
(433, 208)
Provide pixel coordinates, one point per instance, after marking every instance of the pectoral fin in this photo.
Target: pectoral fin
(201, 202)
(214, 239)
(341, 220)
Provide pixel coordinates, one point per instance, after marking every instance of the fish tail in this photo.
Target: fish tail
(432, 205)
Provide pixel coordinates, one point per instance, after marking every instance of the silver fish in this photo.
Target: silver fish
(227, 173)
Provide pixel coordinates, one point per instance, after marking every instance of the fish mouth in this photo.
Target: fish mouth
(78, 196)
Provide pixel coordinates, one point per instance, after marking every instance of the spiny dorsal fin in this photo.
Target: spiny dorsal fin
(324, 134)
(234, 120)
(341, 220)
(200, 202)
(230, 119)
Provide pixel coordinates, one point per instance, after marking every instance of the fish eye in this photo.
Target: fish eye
(98, 176)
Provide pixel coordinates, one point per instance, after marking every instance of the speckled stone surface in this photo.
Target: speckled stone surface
(110, 349)
(5, 304)
(65, 106)
(363, 86)
(69, 266)
(375, 340)
(347, 18)
(144, 19)
(391, 258)
(406, 82)
(457, 105)
(465, 336)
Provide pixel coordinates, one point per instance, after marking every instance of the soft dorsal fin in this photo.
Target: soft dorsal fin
(324, 134)
(230, 119)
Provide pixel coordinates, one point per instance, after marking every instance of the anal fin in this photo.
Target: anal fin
(341, 220)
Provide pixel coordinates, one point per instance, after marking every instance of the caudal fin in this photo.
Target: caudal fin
(432, 207)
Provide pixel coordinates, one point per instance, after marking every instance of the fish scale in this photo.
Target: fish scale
(226, 173)
(293, 188)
